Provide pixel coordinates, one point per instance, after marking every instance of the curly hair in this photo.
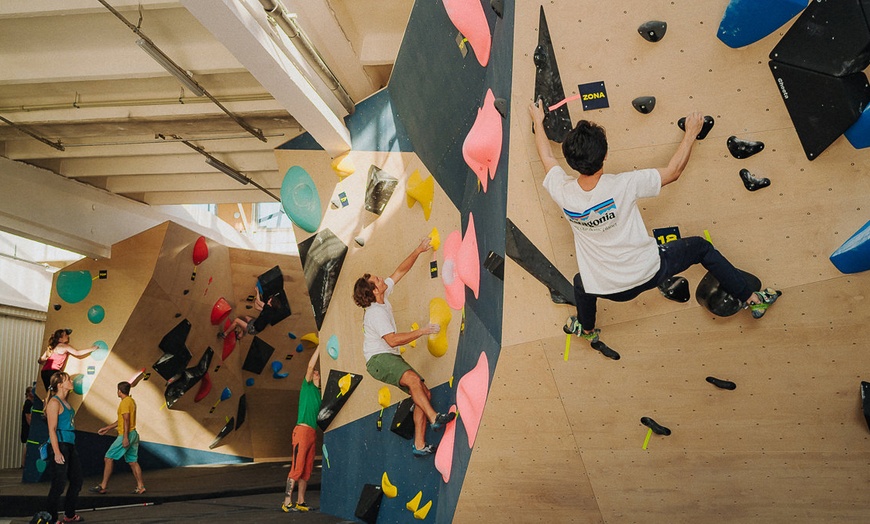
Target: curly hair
(364, 291)
(585, 147)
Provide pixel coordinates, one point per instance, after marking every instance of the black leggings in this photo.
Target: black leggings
(70, 470)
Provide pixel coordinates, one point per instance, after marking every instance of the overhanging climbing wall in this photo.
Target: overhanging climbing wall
(151, 308)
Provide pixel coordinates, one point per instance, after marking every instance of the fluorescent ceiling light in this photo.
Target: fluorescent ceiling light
(170, 66)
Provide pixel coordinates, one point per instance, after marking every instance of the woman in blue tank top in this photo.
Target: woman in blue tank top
(63, 460)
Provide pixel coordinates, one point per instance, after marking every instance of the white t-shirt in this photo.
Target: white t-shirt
(614, 250)
(378, 321)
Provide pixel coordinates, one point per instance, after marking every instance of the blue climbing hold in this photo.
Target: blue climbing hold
(854, 255)
(748, 21)
(249, 382)
(74, 286)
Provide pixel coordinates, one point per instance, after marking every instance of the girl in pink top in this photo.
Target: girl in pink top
(54, 357)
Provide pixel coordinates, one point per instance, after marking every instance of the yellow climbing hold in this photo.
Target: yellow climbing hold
(344, 384)
(422, 191)
(439, 313)
(384, 397)
(343, 166)
(390, 491)
(414, 327)
(421, 513)
(414, 503)
(435, 239)
(311, 337)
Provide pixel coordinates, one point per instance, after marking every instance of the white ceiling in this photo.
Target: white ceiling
(72, 73)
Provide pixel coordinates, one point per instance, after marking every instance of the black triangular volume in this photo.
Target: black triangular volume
(830, 36)
(822, 107)
(548, 85)
(522, 251)
(333, 398)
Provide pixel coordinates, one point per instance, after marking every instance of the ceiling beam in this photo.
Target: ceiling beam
(316, 110)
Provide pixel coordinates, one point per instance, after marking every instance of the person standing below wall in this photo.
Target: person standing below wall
(53, 359)
(126, 445)
(63, 460)
(25, 420)
(304, 436)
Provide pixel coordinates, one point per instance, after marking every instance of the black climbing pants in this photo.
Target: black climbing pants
(70, 470)
(676, 257)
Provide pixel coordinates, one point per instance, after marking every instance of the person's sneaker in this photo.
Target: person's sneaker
(74, 518)
(301, 506)
(98, 489)
(591, 337)
(766, 297)
(427, 450)
(572, 326)
(441, 419)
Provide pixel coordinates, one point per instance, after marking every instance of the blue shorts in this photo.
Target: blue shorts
(129, 454)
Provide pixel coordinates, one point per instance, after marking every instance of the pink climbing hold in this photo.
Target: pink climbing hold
(229, 344)
(444, 453)
(461, 265)
(468, 262)
(200, 251)
(220, 311)
(471, 397)
(204, 387)
(470, 20)
(482, 146)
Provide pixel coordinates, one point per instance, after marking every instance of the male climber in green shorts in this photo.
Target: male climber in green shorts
(381, 347)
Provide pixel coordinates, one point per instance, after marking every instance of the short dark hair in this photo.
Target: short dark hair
(364, 291)
(585, 147)
(124, 387)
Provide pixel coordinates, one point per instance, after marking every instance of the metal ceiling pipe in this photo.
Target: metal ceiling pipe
(295, 33)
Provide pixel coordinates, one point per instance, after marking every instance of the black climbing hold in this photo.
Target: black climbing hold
(717, 301)
(498, 7)
(752, 182)
(177, 315)
(653, 31)
(657, 428)
(676, 289)
(708, 125)
(494, 263)
(501, 106)
(605, 350)
(548, 85)
(743, 148)
(186, 291)
(57, 307)
(724, 384)
(525, 253)
(644, 104)
(865, 401)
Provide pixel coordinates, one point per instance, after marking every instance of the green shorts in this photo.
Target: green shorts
(389, 368)
(117, 451)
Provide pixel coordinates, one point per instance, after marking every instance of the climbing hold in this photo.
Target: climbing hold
(653, 31)
(434, 239)
(343, 166)
(310, 337)
(204, 388)
(228, 427)
(96, 314)
(865, 401)
(483, 144)
(471, 392)
(220, 311)
(498, 7)
(422, 191)
(644, 104)
(854, 255)
(658, 429)
(57, 307)
(439, 313)
(444, 453)
(752, 182)
(461, 265)
(748, 21)
(249, 382)
(300, 348)
(101, 352)
(605, 350)
(470, 20)
(344, 384)
(384, 397)
(300, 199)
(676, 289)
(708, 125)
(548, 84)
(716, 300)
(73, 286)
(200, 251)
(332, 347)
(390, 491)
(360, 241)
(743, 148)
(414, 503)
(414, 327)
(276, 368)
(421, 513)
(501, 105)
(724, 384)
(379, 189)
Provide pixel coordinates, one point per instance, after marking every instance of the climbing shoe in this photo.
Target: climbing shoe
(301, 506)
(287, 508)
(441, 419)
(572, 327)
(766, 298)
(427, 450)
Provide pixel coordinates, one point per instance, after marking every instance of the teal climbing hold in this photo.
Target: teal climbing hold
(82, 383)
(96, 314)
(332, 347)
(300, 199)
(102, 352)
(74, 286)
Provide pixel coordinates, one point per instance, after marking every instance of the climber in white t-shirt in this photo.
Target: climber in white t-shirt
(617, 258)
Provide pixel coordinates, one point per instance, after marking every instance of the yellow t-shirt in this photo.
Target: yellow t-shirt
(127, 405)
